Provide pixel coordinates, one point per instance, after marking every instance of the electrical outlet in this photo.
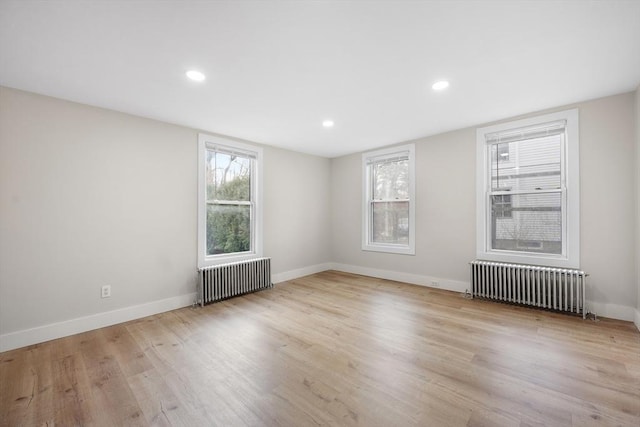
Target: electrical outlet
(106, 291)
(435, 284)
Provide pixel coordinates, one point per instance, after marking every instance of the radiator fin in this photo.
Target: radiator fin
(228, 280)
(551, 288)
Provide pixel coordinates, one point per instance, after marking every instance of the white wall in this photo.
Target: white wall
(607, 174)
(92, 197)
(445, 222)
(445, 210)
(297, 228)
(637, 117)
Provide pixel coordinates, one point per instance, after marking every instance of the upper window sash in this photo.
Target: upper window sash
(251, 156)
(528, 167)
(535, 135)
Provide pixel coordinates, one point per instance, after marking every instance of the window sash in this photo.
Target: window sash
(375, 171)
(489, 218)
(515, 135)
(534, 170)
(218, 149)
(230, 240)
(372, 231)
(214, 151)
(539, 230)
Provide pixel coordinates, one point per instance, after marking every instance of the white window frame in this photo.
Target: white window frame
(570, 158)
(367, 213)
(223, 144)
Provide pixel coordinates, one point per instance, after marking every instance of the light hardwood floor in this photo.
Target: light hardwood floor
(333, 349)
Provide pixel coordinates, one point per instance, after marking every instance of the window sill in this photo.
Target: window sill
(214, 260)
(391, 249)
(544, 260)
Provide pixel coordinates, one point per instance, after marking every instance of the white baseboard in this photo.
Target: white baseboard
(300, 272)
(398, 276)
(65, 328)
(415, 279)
(612, 311)
(52, 331)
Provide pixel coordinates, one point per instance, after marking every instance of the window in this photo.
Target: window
(389, 202)
(502, 206)
(502, 151)
(528, 191)
(229, 208)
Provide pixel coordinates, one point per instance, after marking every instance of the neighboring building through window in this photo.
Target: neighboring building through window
(528, 191)
(229, 208)
(502, 206)
(389, 200)
(502, 152)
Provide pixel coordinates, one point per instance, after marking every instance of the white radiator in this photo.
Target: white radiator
(228, 280)
(551, 288)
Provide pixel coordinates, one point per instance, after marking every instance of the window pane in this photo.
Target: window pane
(228, 229)
(228, 176)
(533, 223)
(502, 154)
(526, 165)
(391, 180)
(391, 222)
(502, 206)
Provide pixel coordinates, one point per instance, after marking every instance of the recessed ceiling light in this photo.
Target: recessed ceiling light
(440, 85)
(195, 75)
(327, 123)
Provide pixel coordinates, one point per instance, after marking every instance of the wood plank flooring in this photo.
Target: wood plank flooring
(333, 349)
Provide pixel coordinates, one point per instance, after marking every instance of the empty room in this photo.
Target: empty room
(303, 213)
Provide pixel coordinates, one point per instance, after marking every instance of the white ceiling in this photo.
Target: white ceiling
(276, 69)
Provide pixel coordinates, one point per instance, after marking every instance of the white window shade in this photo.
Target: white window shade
(388, 159)
(528, 132)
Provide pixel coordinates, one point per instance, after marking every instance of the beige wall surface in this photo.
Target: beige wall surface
(607, 171)
(92, 197)
(445, 221)
(445, 209)
(296, 216)
(637, 112)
